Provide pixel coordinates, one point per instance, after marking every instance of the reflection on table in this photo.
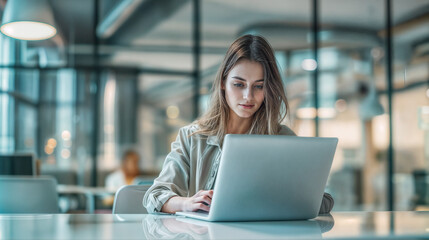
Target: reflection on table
(369, 225)
(172, 228)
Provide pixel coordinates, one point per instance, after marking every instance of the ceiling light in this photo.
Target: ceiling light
(309, 64)
(341, 105)
(28, 20)
(173, 112)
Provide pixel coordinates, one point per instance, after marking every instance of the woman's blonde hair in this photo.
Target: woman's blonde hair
(275, 106)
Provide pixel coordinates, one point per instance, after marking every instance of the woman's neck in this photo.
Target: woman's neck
(238, 125)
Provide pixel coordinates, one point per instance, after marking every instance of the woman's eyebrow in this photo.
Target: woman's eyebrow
(242, 79)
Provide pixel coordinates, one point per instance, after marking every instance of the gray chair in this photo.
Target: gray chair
(20, 194)
(128, 199)
(64, 177)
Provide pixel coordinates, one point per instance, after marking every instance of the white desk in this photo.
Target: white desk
(362, 225)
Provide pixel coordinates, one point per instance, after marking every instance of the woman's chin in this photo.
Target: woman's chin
(244, 114)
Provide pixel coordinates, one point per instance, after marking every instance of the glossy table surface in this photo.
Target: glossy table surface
(342, 225)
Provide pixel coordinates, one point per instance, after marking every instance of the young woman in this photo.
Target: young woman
(248, 98)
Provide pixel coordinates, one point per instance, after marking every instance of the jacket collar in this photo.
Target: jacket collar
(213, 140)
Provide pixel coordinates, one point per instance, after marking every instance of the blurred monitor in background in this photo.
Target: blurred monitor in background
(17, 165)
(128, 172)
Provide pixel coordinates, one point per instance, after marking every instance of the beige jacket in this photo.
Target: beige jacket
(191, 166)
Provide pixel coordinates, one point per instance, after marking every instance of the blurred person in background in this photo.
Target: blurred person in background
(127, 174)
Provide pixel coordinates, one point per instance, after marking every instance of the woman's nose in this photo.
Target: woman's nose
(248, 94)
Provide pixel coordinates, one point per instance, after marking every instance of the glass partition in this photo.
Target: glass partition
(410, 104)
(351, 76)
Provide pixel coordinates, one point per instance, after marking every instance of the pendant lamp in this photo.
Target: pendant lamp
(370, 106)
(29, 20)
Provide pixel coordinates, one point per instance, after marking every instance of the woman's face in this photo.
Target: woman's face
(131, 165)
(243, 87)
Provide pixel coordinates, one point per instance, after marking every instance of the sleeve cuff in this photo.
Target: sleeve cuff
(156, 203)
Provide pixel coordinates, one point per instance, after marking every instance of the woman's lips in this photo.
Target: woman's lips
(247, 106)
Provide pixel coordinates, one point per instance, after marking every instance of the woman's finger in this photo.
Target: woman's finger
(203, 199)
(201, 206)
(198, 193)
(207, 193)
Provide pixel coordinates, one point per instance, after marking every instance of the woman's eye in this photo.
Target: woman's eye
(238, 85)
(259, 86)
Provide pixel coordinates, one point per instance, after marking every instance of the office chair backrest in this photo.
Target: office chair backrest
(64, 177)
(128, 199)
(20, 194)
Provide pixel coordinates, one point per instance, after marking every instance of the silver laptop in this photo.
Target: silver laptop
(266, 177)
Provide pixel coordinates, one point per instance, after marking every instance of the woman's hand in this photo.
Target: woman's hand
(200, 201)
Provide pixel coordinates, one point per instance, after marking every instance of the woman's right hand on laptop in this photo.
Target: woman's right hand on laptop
(200, 201)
